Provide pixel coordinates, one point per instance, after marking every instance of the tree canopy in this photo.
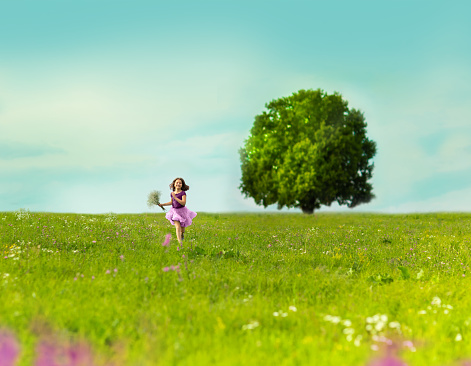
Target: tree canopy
(308, 150)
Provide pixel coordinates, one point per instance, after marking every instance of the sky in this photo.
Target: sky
(103, 101)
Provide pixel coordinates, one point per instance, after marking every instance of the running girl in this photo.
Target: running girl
(179, 215)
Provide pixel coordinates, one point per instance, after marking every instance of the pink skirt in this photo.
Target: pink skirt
(182, 214)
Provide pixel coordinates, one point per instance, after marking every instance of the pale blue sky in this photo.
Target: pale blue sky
(103, 101)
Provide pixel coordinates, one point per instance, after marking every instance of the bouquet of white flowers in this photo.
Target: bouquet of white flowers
(154, 199)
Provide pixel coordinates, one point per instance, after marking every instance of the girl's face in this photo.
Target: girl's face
(178, 184)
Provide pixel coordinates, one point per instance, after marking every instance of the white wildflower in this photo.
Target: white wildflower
(379, 326)
(357, 341)
(347, 323)
(458, 337)
(336, 319)
(420, 274)
(251, 325)
(153, 199)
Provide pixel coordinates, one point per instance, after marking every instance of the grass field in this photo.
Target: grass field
(246, 289)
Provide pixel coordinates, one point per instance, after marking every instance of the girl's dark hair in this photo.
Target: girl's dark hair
(184, 186)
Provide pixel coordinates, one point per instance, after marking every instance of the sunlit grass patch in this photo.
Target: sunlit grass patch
(244, 288)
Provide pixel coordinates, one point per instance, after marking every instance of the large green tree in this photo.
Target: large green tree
(308, 150)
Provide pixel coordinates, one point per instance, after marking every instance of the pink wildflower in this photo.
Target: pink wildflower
(165, 269)
(9, 349)
(167, 240)
(108, 271)
(121, 257)
(53, 353)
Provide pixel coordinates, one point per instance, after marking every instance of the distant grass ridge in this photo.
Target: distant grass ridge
(251, 289)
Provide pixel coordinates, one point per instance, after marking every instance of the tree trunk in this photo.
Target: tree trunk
(307, 210)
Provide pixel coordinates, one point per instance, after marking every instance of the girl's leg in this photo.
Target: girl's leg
(178, 229)
(183, 232)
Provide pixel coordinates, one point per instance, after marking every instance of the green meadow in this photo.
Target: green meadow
(245, 289)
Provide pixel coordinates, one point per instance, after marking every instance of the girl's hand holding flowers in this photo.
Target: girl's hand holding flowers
(154, 199)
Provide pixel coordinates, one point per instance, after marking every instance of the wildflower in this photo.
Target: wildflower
(251, 325)
(93, 241)
(116, 269)
(332, 319)
(436, 301)
(121, 257)
(293, 308)
(55, 353)
(357, 341)
(154, 199)
(408, 344)
(93, 277)
(167, 240)
(166, 269)
(9, 349)
(458, 337)
(108, 271)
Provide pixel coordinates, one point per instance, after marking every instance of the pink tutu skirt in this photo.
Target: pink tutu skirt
(182, 214)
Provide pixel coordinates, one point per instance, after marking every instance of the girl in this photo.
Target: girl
(179, 215)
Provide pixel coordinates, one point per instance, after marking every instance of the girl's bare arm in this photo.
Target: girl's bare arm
(166, 204)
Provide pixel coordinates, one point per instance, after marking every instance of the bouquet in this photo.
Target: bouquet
(154, 199)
